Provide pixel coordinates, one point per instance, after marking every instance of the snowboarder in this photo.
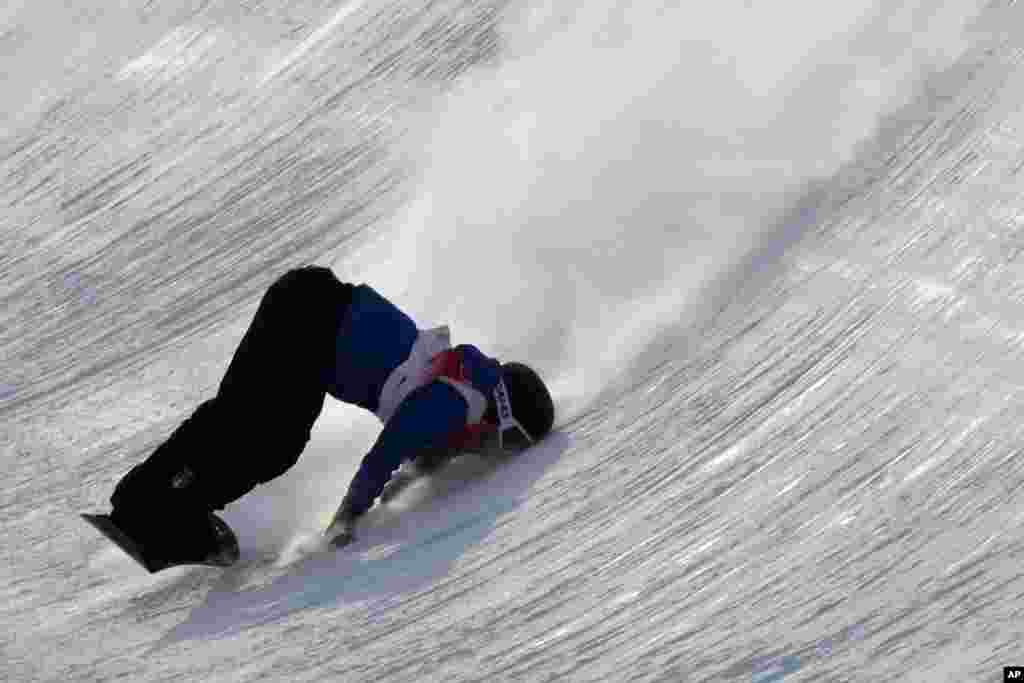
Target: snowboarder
(314, 335)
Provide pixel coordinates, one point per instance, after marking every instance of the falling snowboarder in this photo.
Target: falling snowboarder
(314, 335)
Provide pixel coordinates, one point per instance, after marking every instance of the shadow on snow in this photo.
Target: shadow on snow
(402, 546)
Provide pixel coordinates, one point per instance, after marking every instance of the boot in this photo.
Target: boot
(226, 550)
(163, 538)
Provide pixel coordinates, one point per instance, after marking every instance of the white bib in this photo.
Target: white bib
(417, 371)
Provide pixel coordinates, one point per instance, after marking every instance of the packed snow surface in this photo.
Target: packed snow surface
(769, 255)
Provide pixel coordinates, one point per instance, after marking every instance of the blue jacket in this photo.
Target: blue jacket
(379, 349)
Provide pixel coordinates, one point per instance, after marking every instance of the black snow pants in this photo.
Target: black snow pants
(258, 423)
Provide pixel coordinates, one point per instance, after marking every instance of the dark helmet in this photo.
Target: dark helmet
(531, 401)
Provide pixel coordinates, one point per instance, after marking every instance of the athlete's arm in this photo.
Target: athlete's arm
(425, 419)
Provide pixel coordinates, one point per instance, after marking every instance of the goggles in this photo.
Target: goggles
(510, 432)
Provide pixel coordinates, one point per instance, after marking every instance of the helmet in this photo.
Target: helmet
(530, 399)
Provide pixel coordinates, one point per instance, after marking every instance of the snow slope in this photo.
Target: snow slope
(768, 255)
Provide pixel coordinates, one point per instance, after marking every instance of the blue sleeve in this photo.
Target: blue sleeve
(424, 419)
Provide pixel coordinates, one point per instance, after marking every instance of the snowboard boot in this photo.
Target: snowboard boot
(172, 537)
(169, 523)
(224, 549)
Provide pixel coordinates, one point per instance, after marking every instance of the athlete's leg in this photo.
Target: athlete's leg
(259, 422)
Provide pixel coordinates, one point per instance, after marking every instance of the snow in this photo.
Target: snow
(768, 256)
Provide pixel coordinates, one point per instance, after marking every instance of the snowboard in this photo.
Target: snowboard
(225, 557)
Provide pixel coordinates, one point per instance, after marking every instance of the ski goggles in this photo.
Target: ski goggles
(511, 434)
